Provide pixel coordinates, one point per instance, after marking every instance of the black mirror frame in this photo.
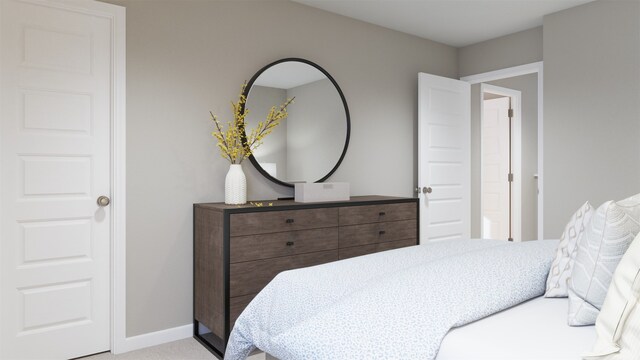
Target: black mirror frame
(255, 162)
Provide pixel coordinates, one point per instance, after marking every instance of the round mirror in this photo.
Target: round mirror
(309, 145)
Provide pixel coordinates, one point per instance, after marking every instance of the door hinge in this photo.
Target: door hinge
(510, 113)
(510, 177)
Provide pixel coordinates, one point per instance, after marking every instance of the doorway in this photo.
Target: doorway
(62, 178)
(500, 163)
(528, 79)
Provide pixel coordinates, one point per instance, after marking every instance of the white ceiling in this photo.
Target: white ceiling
(452, 22)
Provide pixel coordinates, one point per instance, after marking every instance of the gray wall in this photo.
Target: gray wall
(591, 107)
(185, 58)
(528, 86)
(520, 48)
(592, 102)
(507, 51)
(317, 128)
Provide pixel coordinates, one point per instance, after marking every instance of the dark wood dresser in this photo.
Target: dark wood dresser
(239, 249)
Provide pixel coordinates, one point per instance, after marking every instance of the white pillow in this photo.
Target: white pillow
(562, 264)
(632, 204)
(618, 325)
(609, 233)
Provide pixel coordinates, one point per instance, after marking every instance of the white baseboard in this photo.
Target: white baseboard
(155, 338)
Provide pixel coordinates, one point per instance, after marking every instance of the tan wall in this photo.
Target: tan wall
(591, 107)
(185, 58)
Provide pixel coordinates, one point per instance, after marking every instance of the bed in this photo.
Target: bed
(400, 304)
(536, 329)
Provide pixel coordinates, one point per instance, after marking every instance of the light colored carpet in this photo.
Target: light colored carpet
(187, 349)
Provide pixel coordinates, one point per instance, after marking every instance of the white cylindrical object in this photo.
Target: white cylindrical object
(235, 186)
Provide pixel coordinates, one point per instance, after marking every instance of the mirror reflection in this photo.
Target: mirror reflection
(307, 145)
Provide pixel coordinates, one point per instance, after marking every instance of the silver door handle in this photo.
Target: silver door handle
(103, 201)
(427, 190)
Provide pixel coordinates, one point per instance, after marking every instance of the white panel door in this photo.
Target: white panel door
(55, 162)
(495, 169)
(444, 158)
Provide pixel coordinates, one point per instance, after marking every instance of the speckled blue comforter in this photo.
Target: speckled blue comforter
(397, 304)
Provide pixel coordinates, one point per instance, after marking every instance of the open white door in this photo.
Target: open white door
(495, 168)
(56, 111)
(444, 172)
(501, 163)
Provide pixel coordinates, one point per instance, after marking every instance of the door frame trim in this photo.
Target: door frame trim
(532, 68)
(516, 153)
(119, 185)
(117, 15)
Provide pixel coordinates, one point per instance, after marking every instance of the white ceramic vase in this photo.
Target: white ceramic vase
(235, 186)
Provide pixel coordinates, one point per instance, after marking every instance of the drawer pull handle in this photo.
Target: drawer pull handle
(289, 243)
(382, 232)
(289, 221)
(382, 213)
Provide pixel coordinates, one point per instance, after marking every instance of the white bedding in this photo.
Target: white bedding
(393, 305)
(536, 329)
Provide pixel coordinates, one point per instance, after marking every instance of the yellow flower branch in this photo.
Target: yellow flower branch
(234, 144)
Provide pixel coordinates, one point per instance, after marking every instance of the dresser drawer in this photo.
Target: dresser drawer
(279, 221)
(370, 249)
(265, 246)
(351, 215)
(355, 235)
(250, 277)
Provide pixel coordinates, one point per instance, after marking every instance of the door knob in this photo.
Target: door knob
(427, 190)
(103, 201)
